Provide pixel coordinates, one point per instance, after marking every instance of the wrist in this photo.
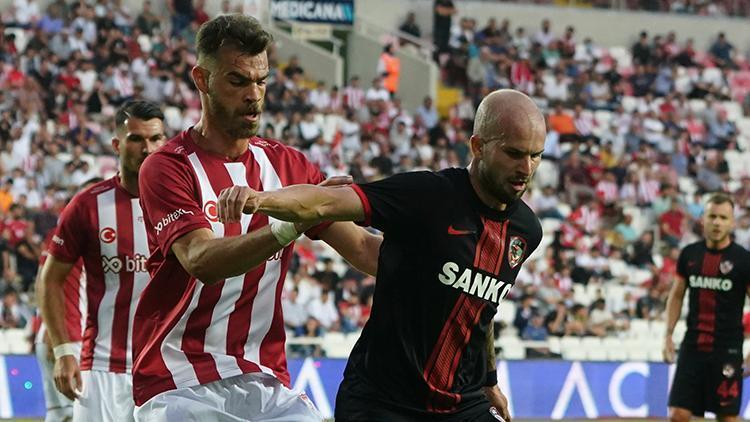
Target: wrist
(284, 232)
(65, 349)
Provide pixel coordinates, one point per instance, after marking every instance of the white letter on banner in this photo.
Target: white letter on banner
(308, 375)
(504, 383)
(576, 380)
(615, 390)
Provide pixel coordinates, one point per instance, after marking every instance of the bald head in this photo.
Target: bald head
(506, 114)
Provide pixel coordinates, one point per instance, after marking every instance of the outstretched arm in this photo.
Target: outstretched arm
(298, 203)
(492, 390)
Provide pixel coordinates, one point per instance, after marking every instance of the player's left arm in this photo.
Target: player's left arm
(297, 203)
(746, 364)
(358, 246)
(491, 389)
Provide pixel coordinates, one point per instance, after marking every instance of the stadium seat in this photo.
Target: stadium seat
(574, 354)
(638, 355)
(597, 354)
(639, 328)
(554, 344)
(4, 346)
(512, 348)
(18, 341)
(658, 329)
(506, 312)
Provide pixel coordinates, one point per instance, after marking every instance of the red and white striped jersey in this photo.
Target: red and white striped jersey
(189, 333)
(104, 225)
(74, 292)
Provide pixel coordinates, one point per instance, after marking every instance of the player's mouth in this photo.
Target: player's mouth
(518, 185)
(251, 117)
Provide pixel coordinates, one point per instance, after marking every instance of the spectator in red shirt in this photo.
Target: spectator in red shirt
(672, 224)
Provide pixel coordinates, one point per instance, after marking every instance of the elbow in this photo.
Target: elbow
(198, 266)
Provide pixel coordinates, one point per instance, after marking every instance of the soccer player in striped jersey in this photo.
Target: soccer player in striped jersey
(453, 244)
(210, 337)
(104, 226)
(710, 367)
(59, 407)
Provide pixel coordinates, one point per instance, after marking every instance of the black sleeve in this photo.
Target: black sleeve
(535, 237)
(682, 264)
(403, 201)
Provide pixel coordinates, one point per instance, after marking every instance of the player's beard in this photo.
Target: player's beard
(498, 185)
(232, 121)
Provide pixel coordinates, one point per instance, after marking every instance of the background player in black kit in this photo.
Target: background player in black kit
(709, 367)
(453, 244)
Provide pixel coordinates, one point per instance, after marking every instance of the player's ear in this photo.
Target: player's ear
(116, 145)
(476, 143)
(200, 78)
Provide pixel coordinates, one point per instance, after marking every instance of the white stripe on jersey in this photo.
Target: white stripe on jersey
(83, 299)
(140, 278)
(217, 332)
(107, 212)
(265, 299)
(174, 358)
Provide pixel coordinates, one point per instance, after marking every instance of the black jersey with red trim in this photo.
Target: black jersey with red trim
(446, 262)
(717, 280)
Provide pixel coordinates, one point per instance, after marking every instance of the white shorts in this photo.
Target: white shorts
(106, 397)
(59, 407)
(249, 397)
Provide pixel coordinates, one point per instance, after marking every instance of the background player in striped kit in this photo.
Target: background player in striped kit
(710, 367)
(103, 225)
(59, 407)
(454, 241)
(210, 335)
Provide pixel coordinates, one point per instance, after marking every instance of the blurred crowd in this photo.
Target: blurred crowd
(740, 8)
(636, 136)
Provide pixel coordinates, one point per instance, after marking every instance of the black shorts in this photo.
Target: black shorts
(708, 382)
(357, 401)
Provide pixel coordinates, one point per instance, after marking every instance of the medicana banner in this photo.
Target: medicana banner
(535, 389)
(335, 12)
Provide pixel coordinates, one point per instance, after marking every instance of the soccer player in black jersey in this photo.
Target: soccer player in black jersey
(709, 367)
(454, 241)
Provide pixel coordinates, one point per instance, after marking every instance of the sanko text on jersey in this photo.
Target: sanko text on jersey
(713, 283)
(474, 283)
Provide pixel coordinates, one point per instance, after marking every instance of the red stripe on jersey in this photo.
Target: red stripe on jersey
(455, 335)
(707, 305)
(121, 316)
(489, 252)
(197, 324)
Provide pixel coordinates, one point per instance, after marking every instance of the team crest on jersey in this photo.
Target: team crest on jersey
(211, 212)
(516, 249)
(728, 370)
(726, 267)
(108, 235)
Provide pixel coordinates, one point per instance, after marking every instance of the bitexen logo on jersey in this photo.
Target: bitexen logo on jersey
(474, 283)
(711, 283)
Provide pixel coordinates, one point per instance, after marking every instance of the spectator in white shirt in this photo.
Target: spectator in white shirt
(324, 310)
(544, 36)
(25, 12)
(295, 313)
(428, 113)
(376, 92)
(557, 88)
(319, 98)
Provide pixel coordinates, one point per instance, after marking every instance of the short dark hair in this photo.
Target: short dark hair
(242, 32)
(144, 110)
(719, 198)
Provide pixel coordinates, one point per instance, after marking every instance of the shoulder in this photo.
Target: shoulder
(528, 218)
(173, 153)
(85, 197)
(275, 149)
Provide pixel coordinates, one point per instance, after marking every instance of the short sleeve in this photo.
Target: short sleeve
(68, 241)
(403, 201)
(682, 264)
(169, 200)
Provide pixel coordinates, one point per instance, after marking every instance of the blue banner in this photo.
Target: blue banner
(337, 12)
(535, 388)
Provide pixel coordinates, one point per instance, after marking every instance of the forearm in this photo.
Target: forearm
(213, 260)
(491, 358)
(309, 203)
(674, 309)
(52, 303)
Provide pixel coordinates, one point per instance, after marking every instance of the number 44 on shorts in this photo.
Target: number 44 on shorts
(727, 391)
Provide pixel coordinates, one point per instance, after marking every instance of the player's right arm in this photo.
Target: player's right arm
(674, 309)
(52, 301)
